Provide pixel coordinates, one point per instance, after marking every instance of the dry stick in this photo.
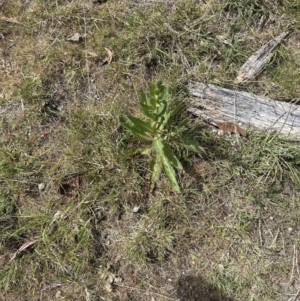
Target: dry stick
(260, 234)
(86, 55)
(259, 59)
(293, 267)
(296, 261)
(141, 290)
(297, 295)
(52, 286)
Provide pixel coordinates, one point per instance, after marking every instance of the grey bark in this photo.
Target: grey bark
(216, 104)
(259, 59)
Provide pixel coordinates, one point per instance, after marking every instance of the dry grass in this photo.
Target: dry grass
(233, 234)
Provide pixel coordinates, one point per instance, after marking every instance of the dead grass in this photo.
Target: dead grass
(234, 232)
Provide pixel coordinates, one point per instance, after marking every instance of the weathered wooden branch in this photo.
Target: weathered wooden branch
(215, 104)
(259, 59)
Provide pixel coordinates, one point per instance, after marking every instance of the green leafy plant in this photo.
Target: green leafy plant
(157, 129)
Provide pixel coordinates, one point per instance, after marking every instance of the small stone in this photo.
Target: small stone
(41, 186)
(107, 287)
(117, 279)
(76, 37)
(136, 208)
(57, 215)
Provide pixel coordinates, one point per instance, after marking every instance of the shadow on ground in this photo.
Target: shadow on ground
(195, 288)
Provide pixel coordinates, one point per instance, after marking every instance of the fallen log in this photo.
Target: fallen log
(219, 105)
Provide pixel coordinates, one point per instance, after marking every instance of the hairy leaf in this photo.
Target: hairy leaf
(161, 108)
(159, 92)
(147, 107)
(170, 173)
(158, 146)
(163, 121)
(145, 100)
(171, 156)
(138, 151)
(138, 127)
(155, 168)
(192, 144)
(163, 150)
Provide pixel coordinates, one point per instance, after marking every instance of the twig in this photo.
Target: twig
(259, 59)
(141, 290)
(86, 55)
(297, 295)
(293, 267)
(260, 233)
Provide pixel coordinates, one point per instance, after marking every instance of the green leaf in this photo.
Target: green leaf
(154, 112)
(171, 156)
(155, 168)
(159, 92)
(146, 151)
(146, 106)
(138, 151)
(163, 150)
(170, 173)
(163, 121)
(155, 104)
(138, 127)
(161, 108)
(155, 90)
(149, 112)
(166, 95)
(158, 146)
(145, 100)
(192, 144)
